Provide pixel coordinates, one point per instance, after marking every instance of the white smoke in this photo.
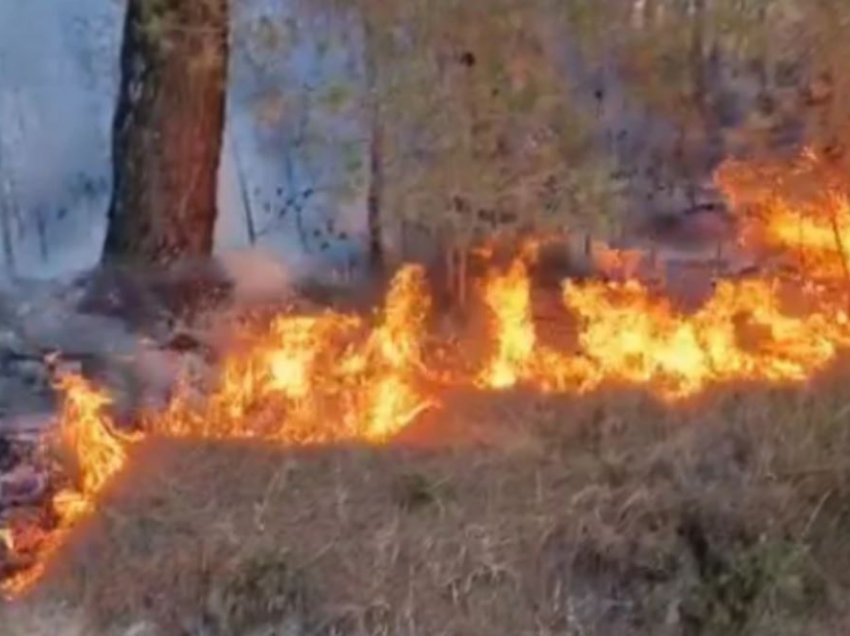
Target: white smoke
(257, 276)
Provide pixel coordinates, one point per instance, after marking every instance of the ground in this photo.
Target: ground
(499, 514)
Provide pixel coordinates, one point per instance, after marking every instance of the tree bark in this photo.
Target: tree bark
(167, 132)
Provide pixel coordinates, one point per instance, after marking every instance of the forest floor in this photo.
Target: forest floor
(498, 515)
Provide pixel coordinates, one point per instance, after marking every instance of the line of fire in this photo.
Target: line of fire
(322, 377)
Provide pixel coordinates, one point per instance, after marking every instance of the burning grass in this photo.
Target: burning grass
(94, 452)
(605, 518)
(603, 515)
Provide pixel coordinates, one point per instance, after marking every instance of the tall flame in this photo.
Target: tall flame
(397, 348)
(508, 297)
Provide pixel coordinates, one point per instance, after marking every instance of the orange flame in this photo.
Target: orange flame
(333, 376)
(742, 333)
(746, 331)
(801, 209)
(762, 328)
(396, 347)
(315, 379)
(508, 298)
(98, 453)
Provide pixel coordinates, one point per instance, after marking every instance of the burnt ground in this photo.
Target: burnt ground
(509, 514)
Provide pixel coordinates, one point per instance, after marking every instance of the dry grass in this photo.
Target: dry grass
(606, 515)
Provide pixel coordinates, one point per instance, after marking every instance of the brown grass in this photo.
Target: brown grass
(502, 515)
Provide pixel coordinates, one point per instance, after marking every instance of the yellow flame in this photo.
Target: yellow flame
(508, 298)
(741, 333)
(98, 453)
(316, 379)
(333, 376)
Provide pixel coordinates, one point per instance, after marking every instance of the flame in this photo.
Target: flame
(333, 376)
(742, 333)
(747, 331)
(98, 452)
(317, 379)
(508, 298)
(615, 263)
(274, 386)
(627, 333)
(767, 328)
(801, 209)
(819, 234)
(396, 348)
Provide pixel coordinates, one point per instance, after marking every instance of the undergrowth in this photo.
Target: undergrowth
(610, 514)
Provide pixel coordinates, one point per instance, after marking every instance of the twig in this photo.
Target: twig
(839, 243)
(243, 191)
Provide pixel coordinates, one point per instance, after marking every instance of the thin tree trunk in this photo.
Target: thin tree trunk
(7, 196)
(699, 78)
(376, 150)
(292, 203)
(463, 262)
(167, 132)
(697, 51)
(449, 255)
(243, 191)
(41, 227)
(376, 246)
(842, 252)
(6, 220)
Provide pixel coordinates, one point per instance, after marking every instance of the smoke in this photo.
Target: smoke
(256, 275)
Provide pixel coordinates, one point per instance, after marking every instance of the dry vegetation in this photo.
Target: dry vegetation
(502, 513)
(608, 515)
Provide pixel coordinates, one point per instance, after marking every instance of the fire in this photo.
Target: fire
(742, 333)
(508, 298)
(614, 263)
(88, 434)
(395, 350)
(771, 327)
(399, 338)
(747, 331)
(316, 379)
(302, 379)
(98, 453)
(801, 210)
(333, 376)
(818, 234)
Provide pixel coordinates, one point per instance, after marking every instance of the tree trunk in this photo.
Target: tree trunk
(697, 55)
(7, 200)
(41, 227)
(697, 67)
(462, 274)
(376, 151)
(6, 227)
(167, 132)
